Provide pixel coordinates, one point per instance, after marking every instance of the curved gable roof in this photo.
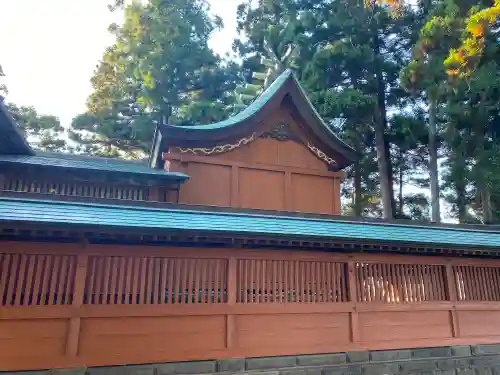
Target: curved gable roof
(285, 87)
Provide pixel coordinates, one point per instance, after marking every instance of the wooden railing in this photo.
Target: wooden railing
(76, 189)
(68, 305)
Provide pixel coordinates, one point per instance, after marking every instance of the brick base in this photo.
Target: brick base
(458, 360)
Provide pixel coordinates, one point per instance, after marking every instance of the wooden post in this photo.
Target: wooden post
(154, 193)
(451, 291)
(353, 298)
(288, 191)
(235, 187)
(74, 322)
(231, 300)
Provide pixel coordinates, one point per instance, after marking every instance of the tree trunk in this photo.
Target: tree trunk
(358, 206)
(401, 197)
(461, 202)
(383, 153)
(433, 161)
(486, 204)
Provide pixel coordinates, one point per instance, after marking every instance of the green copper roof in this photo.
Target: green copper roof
(61, 161)
(16, 210)
(286, 86)
(248, 112)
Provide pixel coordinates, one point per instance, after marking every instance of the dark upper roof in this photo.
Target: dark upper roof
(174, 219)
(285, 87)
(12, 140)
(79, 163)
(16, 153)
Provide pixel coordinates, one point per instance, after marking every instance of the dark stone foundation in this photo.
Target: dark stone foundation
(455, 360)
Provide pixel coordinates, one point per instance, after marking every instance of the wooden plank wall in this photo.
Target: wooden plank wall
(66, 305)
(266, 174)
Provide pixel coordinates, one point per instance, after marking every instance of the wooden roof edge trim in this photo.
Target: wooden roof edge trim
(21, 231)
(231, 211)
(8, 124)
(285, 84)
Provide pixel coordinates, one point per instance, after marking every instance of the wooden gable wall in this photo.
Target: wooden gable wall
(265, 173)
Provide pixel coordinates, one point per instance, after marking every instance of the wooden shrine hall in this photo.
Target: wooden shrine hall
(227, 245)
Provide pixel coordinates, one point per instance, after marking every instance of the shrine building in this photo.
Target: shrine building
(225, 253)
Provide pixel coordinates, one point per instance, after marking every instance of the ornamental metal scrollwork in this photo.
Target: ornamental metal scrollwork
(219, 149)
(320, 154)
(280, 132)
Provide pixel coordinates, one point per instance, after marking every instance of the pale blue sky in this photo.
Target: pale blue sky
(50, 48)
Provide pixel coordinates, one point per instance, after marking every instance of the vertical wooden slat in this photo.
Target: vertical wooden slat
(318, 280)
(473, 283)
(394, 283)
(369, 278)
(5, 265)
(121, 280)
(286, 291)
(263, 275)
(29, 295)
(176, 289)
(37, 292)
(94, 274)
(217, 288)
(128, 280)
(496, 278)
(496, 283)
(73, 264)
(378, 276)
(47, 275)
(150, 288)
(171, 293)
(488, 277)
(334, 287)
(157, 286)
(20, 279)
(418, 289)
(450, 283)
(142, 281)
(106, 280)
(63, 281)
(251, 278)
(467, 284)
(189, 269)
(201, 281)
(364, 282)
(56, 271)
(421, 283)
(135, 280)
(231, 281)
(163, 282)
(113, 276)
(245, 277)
(431, 272)
(483, 282)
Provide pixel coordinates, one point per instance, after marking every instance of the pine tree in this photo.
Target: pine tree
(159, 67)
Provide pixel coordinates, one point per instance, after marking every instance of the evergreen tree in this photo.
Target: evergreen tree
(347, 53)
(159, 67)
(43, 132)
